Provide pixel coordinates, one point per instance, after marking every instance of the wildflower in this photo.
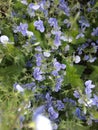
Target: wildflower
(53, 22)
(24, 2)
(47, 54)
(34, 6)
(76, 94)
(89, 87)
(39, 25)
(52, 113)
(4, 39)
(38, 59)
(22, 28)
(58, 84)
(37, 74)
(59, 105)
(64, 6)
(54, 73)
(18, 88)
(77, 59)
(29, 33)
(95, 32)
(79, 114)
(57, 41)
(58, 66)
(95, 100)
(81, 35)
(84, 22)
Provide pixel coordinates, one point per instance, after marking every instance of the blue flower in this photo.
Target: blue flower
(81, 35)
(95, 32)
(89, 87)
(59, 81)
(57, 41)
(54, 73)
(64, 6)
(39, 25)
(79, 114)
(53, 22)
(59, 105)
(52, 113)
(37, 74)
(58, 66)
(84, 22)
(38, 59)
(22, 28)
(76, 94)
(34, 6)
(95, 100)
(18, 88)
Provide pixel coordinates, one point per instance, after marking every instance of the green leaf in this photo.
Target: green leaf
(72, 77)
(9, 75)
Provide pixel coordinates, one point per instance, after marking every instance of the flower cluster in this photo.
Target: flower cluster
(49, 54)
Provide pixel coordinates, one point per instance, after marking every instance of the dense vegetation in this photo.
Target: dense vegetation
(49, 60)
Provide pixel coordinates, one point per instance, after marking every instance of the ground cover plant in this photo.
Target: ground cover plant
(49, 65)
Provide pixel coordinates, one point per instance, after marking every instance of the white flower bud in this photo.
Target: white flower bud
(4, 39)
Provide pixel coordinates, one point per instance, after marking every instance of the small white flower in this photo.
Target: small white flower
(29, 33)
(66, 38)
(42, 123)
(4, 39)
(24, 2)
(19, 88)
(46, 54)
(35, 7)
(77, 59)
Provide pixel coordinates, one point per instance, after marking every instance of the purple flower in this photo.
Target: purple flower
(22, 28)
(58, 66)
(63, 66)
(18, 88)
(76, 94)
(38, 59)
(79, 114)
(53, 22)
(24, 2)
(37, 74)
(95, 32)
(64, 6)
(59, 105)
(57, 41)
(89, 87)
(95, 100)
(83, 22)
(81, 35)
(29, 85)
(86, 57)
(58, 84)
(34, 6)
(54, 73)
(39, 25)
(52, 113)
(38, 48)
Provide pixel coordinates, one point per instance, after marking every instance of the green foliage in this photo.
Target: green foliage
(72, 77)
